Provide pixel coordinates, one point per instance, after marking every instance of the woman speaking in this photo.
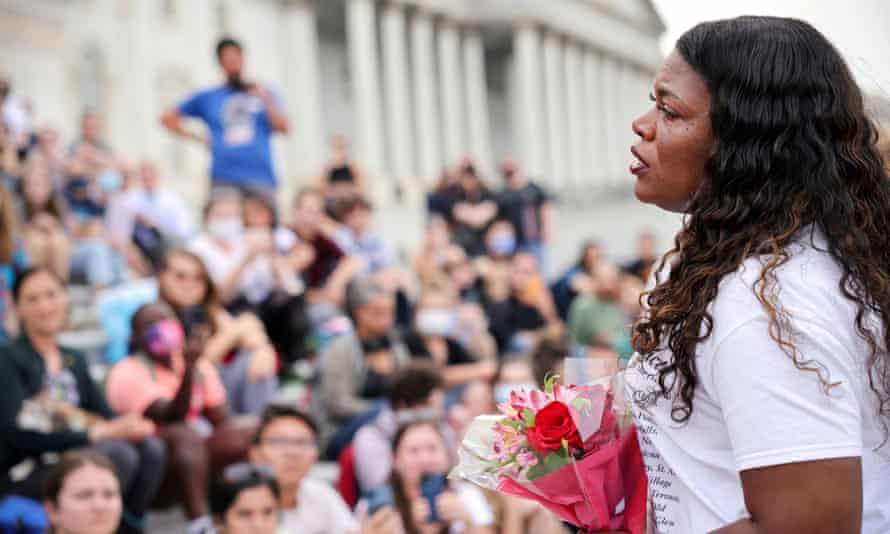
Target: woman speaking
(761, 383)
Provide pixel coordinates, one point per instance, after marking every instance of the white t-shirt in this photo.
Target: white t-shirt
(258, 278)
(320, 510)
(753, 408)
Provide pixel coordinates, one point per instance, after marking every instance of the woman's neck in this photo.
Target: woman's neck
(47, 346)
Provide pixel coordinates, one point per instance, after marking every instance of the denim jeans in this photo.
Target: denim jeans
(246, 396)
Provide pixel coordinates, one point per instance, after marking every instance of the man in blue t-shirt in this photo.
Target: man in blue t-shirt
(241, 117)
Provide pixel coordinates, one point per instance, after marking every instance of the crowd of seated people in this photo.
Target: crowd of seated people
(213, 318)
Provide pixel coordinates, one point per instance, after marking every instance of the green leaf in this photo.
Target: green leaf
(547, 465)
(549, 380)
(529, 417)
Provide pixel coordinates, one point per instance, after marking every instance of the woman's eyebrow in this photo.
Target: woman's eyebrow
(662, 92)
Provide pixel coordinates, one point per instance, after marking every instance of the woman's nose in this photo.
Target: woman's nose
(644, 125)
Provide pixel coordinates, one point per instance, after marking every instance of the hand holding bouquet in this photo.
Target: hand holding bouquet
(565, 448)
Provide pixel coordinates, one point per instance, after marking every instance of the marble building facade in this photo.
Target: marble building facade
(413, 84)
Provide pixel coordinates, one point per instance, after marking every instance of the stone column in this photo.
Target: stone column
(557, 129)
(306, 140)
(425, 96)
(577, 138)
(450, 80)
(477, 101)
(594, 119)
(361, 32)
(529, 127)
(398, 108)
(630, 100)
(610, 119)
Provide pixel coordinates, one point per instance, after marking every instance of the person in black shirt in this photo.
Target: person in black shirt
(435, 336)
(528, 208)
(472, 207)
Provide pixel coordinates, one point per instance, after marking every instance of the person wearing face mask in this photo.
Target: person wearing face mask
(435, 329)
(242, 264)
(167, 381)
(500, 241)
(241, 117)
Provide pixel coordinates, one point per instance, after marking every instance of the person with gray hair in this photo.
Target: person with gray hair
(355, 367)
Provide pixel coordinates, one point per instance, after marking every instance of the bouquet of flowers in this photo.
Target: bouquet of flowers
(570, 448)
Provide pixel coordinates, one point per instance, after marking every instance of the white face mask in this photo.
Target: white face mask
(436, 322)
(226, 229)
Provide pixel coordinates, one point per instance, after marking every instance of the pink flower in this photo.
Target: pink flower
(497, 447)
(565, 394)
(526, 459)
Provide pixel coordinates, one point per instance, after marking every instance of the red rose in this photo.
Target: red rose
(553, 424)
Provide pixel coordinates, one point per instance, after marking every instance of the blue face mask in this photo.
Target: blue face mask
(502, 244)
(110, 180)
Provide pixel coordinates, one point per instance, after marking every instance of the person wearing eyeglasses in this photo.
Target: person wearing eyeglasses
(239, 345)
(245, 500)
(286, 441)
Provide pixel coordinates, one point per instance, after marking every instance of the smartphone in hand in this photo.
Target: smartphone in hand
(379, 498)
(431, 486)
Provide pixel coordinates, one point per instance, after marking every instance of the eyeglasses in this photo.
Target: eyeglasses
(303, 445)
(243, 472)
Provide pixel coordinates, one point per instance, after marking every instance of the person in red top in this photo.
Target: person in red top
(167, 380)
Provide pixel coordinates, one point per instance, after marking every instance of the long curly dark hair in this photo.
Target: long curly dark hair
(794, 152)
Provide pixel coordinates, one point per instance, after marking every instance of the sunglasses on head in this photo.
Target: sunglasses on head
(244, 472)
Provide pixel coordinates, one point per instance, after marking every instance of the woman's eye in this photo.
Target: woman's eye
(668, 112)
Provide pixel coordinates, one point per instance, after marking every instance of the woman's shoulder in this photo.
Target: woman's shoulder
(806, 269)
(805, 286)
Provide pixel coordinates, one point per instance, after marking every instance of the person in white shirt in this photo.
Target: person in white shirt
(286, 441)
(15, 115)
(244, 265)
(760, 383)
(151, 216)
(161, 207)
